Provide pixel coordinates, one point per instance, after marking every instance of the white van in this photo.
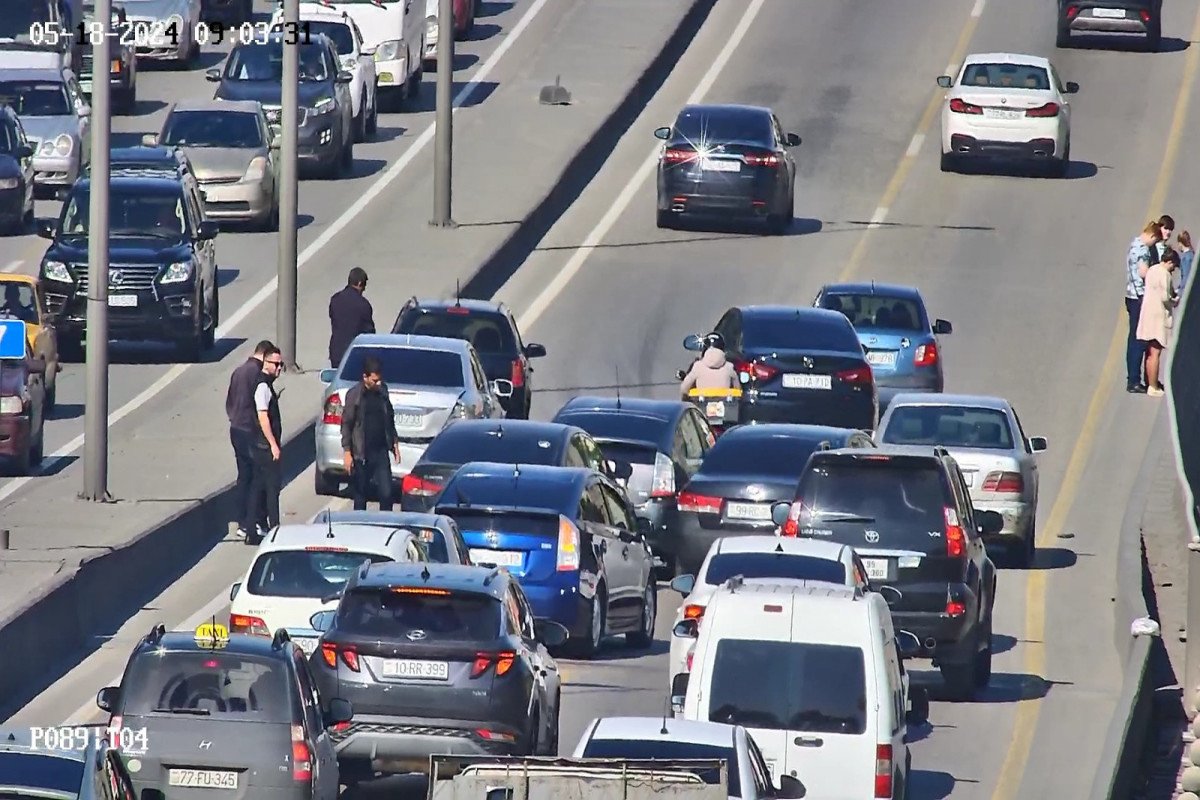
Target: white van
(814, 673)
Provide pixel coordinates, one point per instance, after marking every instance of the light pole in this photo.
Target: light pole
(443, 154)
(285, 298)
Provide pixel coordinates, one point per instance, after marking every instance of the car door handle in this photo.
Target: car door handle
(809, 741)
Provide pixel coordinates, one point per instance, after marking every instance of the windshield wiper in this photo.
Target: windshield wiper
(834, 516)
(194, 712)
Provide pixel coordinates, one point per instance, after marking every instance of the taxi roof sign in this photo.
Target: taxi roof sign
(212, 634)
(12, 338)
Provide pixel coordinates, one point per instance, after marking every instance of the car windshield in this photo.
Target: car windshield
(339, 33)
(796, 333)
(894, 493)
(237, 129)
(487, 444)
(131, 212)
(264, 62)
(789, 566)
(408, 366)
(664, 748)
(391, 613)
(814, 688)
(1006, 76)
(229, 686)
(312, 573)
(876, 312)
(38, 773)
(949, 426)
(18, 16)
(18, 302)
(702, 126)
(490, 334)
(35, 98)
(782, 456)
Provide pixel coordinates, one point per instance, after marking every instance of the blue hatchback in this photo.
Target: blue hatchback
(570, 536)
(894, 328)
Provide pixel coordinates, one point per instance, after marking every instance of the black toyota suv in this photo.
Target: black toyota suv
(1110, 17)
(907, 512)
(162, 275)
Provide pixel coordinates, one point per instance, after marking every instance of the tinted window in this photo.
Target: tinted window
(18, 16)
(264, 62)
(783, 456)
(479, 444)
(872, 312)
(551, 495)
(19, 302)
(37, 771)
(35, 99)
(898, 493)
(490, 334)
(797, 333)
(949, 426)
(9, 141)
(517, 523)
(304, 573)
(213, 129)
(773, 565)
(207, 684)
(132, 211)
(616, 426)
(663, 748)
(698, 126)
(339, 33)
(641, 458)
(408, 366)
(1006, 76)
(390, 613)
(435, 544)
(814, 688)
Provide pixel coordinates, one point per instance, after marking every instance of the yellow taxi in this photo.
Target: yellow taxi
(21, 298)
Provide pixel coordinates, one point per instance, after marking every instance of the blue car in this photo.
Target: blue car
(896, 333)
(570, 536)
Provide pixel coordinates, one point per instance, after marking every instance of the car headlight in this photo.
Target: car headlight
(9, 183)
(56, 271)
(323, 106)
(178, 272)
(12, 405)
(257, 169)
(61, 145)
(389, 50)
(459, 411)
(431, 28)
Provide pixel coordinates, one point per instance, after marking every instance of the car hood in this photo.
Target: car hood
(211, 163)
(146, 10)
(122, 250)
(42, 128)
(270, 93)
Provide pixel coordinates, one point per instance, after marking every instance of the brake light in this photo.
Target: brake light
(419, 487)
(115, 723)
(692, 611)
(503, 662)
(926, 355)
(663, 484)
(1145, 15)
(255, 626)
(567, 557)
(458, 310)
(883, 770)
(791, 526)
(329, 652)
(956, 541)
(762, 159)
(674, 155)
(699, 503)
(690, 657)
(494, 736)
(1072, 12)
(301, 756)
(1048, 110)
(1003, 482)
(116, 66)
(751, 370)
(961, 107)
(856, 375)
(955, 608)
(421, 590)
(773, 608)
(333, 410)
(518, 374)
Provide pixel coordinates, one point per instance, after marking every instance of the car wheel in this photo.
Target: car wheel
(24, 463)
(778, 224)
(412, 89)
(981, 667)
(644, 636)
(1025, 553)
(193, 54)
(214, 319)
(949, 163)
(959, 679)
(373, 120)
(1154, 36)
(346, 162)
(52, 392)
(665, 220)
(324, 485)
(599, 611)
(1061, 167)
(360, 122)
(1063, 39)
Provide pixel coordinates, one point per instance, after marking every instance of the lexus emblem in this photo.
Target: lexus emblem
(116, 277)
(415, 636)
(808, 362)
(871, 536)
(206, 744)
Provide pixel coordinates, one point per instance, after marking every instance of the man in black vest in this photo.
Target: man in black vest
(369, 436)
(243, 427)
(268, 474)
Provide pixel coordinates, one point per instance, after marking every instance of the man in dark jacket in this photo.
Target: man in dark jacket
(267, 450)
(243, 422)
(369, 436)
(350, 314)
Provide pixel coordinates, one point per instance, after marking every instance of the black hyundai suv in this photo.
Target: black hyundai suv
(438, 659)
(908, 514)
(162, 275)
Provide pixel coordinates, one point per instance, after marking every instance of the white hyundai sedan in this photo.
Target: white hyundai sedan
(1007, 107)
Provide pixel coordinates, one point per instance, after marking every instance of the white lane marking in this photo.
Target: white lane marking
(610, 218)
(878, 217)
(259, 297)
(12, 266)
(914, 146)
(977, 11)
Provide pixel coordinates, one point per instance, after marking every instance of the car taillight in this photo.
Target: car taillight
(699, 503)
(301, 756)
(956, 541)
(1145, 15)
(333, 410)
(115, 68)
(1003, 482)
(1048, 110)
(762, 159)
(330, 652)
(503, 662)
(955, 608)
(116, 724)
(674, 155)
(961, 107)
(255, 626)
(690, 657)
(663, 484)
(567, 558)
(692, 611)
(1072, 12)
(420, 487)
(518, 374)
(856, 375)
(883, 770)
(926, 355)
(751, 370)
(791, 526)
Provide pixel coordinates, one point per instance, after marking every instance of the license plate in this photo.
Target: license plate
(386, 77)
(877, 568)
(881, 359)
(715, 409)
(720, 165)
(801, 381)
(202, 779)
(499, 558)
(306, 643)
(123, 300)
(85, 87)
(421, 670)
(754, 511)
(1109, 13)
(409, 420)
(1003, 113)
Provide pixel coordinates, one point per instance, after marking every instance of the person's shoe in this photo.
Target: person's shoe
(1136, 388)
(1154, 391)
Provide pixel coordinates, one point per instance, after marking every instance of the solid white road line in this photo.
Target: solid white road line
(625, 197)
(977, 11)
(878, 217)
(259, 297)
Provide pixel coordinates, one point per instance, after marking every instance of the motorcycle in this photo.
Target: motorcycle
(720, 406)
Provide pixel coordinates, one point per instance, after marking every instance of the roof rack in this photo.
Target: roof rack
(281, 637)
(156, 634)
(940, 450)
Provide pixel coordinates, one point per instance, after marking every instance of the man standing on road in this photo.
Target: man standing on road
(243, 422)
(369, 436)
(350, 314)
(267, 451)
(1137, 263)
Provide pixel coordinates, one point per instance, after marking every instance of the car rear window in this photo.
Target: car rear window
(903, 494)
(408, 366)
(305, 573)
(949, 426)
(435, 544)
(477, 443)
(1006, 76)
(773, 565)
(641, 458)
(390, 613)
(875, 312)
(39, 771)
(663, 748)
(701, 126)
(797, 333)
(782, 456)
(489, 333)
(211, 684)
(816, 688)
(470, 521)
(637, 427)
(507, 491)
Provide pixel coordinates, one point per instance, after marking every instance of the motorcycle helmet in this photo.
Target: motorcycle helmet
(714, 340)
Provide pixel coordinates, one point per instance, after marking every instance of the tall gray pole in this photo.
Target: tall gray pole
(443, 154)
(95, 410)
(285, 298)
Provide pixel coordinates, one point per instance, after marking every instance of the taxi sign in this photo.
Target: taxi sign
(12, 338)
(212, 634)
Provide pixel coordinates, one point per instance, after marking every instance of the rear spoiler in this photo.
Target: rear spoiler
(603, 440)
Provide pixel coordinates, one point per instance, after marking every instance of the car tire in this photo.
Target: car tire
(1154, 36)
(412, 89)
(345, 163)
(644, 636)
(599, 611)
(1063, 39)
(271, 223)
(778, 224)
(949, 163)
(214, 320)
(959, 679)
(373, 120)
(324, 485)
(1025, 554)
(665, 220)
(360, 122)
(23, 464)
(981, 665)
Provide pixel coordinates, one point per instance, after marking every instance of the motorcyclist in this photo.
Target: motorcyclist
(711, 370)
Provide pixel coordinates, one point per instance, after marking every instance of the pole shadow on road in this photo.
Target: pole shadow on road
(427, 100)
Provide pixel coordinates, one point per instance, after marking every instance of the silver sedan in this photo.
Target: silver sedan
(57, 122)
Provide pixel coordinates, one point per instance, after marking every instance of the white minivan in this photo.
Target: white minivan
(814, 672)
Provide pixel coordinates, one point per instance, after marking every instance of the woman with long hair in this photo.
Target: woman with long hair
(1154, 322)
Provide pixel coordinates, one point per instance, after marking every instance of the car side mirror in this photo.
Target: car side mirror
(106, 699)
(502, 387)
(1038, 444)
(679, 687)
(150, 140)
(534, 350)
(550, 633)
(345, 77)
(693, 342)
(686, 629)
(48, 228)
(942, 328)
(907, 644)
(792, 140)
(322, 620)
(790, 788)
(208, 230)
(918, 702)
(340, 711)
(1072, 87)
(663, 133)
(683, 584)
(24, 151)
(780, 513)
(327, 376)
(945, 81)
(213, 75)
(890, 595)
(622, 470)
(37, 366)
(990, 522)
(233, 591)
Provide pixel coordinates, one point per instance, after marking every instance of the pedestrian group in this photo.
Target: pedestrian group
(1155, 275)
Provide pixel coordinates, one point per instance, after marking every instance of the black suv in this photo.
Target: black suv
(908, 513)
(440, 659)
(491, 329)
(1107, 17)
(207, 710)
(162, 275)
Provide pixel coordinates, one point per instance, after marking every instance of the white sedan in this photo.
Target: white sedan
(1007, 107)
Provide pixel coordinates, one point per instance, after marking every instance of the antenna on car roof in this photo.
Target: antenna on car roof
(666, 706)
(617, 370)
(425, 571)
(458, 293)
(328, 524)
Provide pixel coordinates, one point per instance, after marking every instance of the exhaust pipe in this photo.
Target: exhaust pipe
(677, 208)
